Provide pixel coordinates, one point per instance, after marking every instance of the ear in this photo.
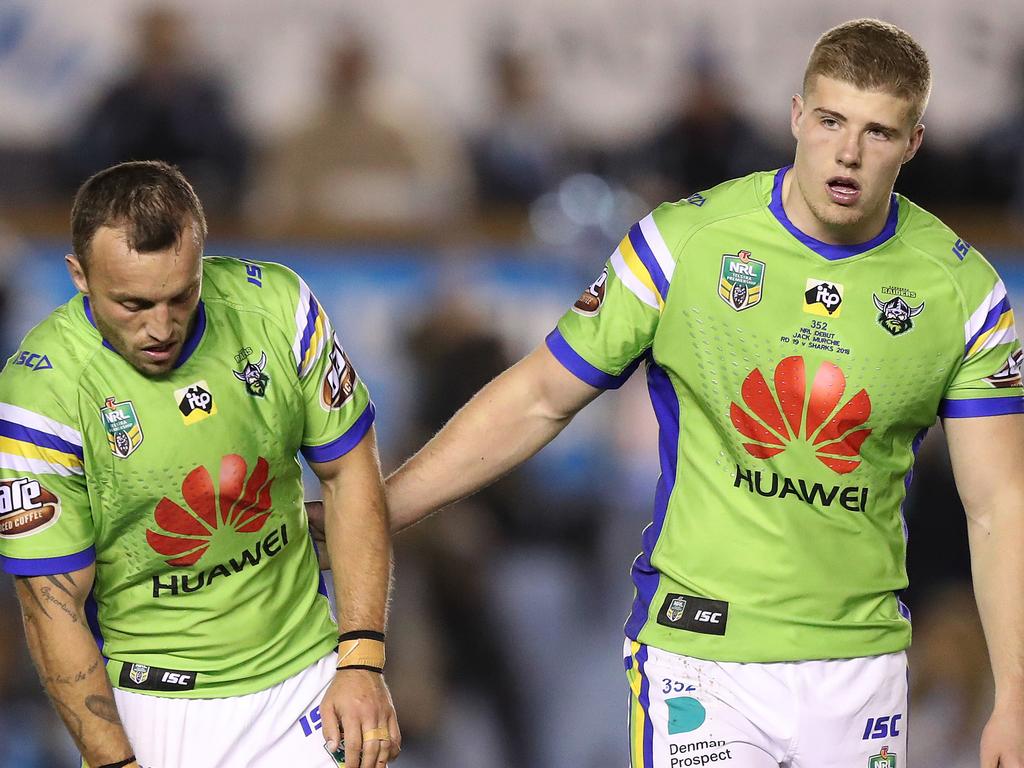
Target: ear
(796, 112)
(77, 273)
(916, 137)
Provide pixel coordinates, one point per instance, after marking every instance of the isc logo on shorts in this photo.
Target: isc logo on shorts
(694, 614)
(142, 677)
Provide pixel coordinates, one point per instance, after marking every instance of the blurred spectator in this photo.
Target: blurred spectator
(517, 157)
(168, 108)
(950, 681)
(705, 142)
(998, 156)
(448, 561)
(359, 162)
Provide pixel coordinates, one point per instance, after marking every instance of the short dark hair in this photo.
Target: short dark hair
(874, 55)
(150, 199)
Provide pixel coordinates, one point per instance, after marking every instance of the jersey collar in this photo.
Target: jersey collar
(190, 343)
(827, 250)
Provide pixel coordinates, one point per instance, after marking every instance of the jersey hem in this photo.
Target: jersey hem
(342, 445)
(48, 566)
(824, 652)
(583, 370)
(220, 690)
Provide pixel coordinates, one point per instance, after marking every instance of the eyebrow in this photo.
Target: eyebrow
(872, 126)
(123, 297)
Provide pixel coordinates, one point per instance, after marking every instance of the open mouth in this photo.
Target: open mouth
(843, 190)
(160, 352)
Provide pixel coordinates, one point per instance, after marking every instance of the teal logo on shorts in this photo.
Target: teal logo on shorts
(686, 714)
(882, 760)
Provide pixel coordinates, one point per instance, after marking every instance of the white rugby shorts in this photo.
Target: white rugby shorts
(691, 713)
(276, 728)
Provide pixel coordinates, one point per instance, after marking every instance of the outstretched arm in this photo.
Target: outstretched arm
(987, 455)
(504, 424)
(69, 663)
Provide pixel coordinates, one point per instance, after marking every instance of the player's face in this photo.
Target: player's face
(144, 304)
(850, 146)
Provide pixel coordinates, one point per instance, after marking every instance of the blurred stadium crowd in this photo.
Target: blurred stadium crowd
(506, 627)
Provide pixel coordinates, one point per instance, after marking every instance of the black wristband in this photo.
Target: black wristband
(361, 634)
(122, 764)
(368, 668)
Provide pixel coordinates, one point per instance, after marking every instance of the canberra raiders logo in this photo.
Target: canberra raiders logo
(895, 315)
(741, 281)
(124, 431)
(253, 376)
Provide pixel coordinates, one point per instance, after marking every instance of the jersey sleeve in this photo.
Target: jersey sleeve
(338, 409)
(604, 335)
(46, 523)
(987, 381)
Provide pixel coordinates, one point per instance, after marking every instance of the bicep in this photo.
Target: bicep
(52, 595)
(359, 462)
(987, 454)
(558, 393)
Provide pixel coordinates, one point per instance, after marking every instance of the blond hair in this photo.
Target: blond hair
(873, 55)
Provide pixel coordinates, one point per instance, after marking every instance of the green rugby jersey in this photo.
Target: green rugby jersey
(793, 382)
(184, 489)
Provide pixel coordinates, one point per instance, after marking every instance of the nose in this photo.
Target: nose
(159, 323)
(848, 152)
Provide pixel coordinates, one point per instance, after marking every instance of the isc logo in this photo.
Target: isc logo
(311, 721)
(33, 361)
(708, 617)
(176, 678)
(882, 727)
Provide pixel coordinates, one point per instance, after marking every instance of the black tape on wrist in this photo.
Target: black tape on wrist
(367, 667)
(122, 764)
(361, 634)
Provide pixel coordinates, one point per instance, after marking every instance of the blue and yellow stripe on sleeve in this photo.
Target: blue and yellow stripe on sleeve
(644, 263)
(33, 443)
(313, 329)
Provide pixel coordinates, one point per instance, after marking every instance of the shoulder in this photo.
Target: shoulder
(678, 221)
(973, 275)
(274, 292)
(39, 384)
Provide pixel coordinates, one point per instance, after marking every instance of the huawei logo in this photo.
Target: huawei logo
(774, 420)
(242, 505)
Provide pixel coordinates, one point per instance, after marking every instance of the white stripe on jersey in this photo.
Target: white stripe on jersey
(638, 289)
(37, 466)
(301, 311)
(34, 420)
(977, 318)
(653, 237)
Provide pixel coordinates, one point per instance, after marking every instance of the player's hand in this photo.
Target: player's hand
(357, 703)
(315, 514)
(1002, 742)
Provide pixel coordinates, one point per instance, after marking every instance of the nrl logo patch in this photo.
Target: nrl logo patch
(895, 315)
(139, 674)
(675, 609)
(884, 759)
(253, 377)
(590, 302)
(741, 281)
(124, 430)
